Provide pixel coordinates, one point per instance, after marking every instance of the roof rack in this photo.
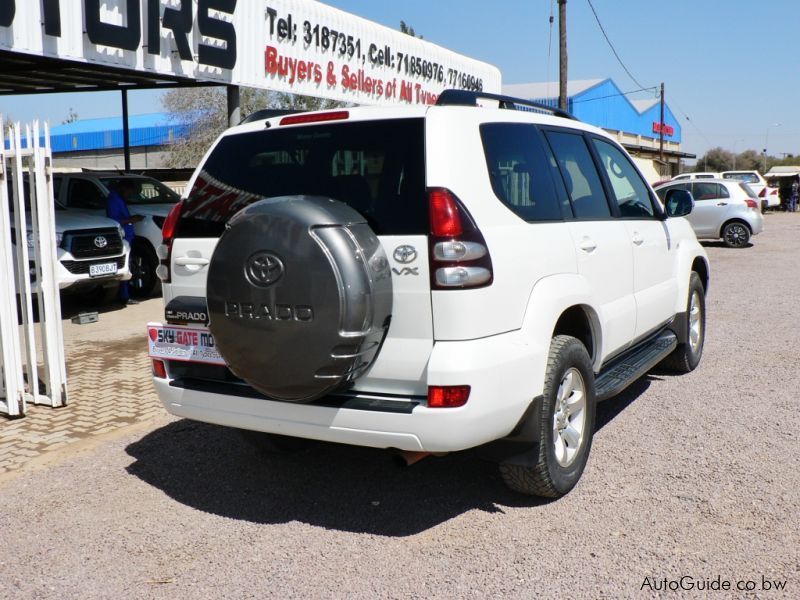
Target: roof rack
(268, 113)
(468, 98)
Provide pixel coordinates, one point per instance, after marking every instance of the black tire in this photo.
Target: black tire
(270, 443)
(687, 355)
(735, 234)
(143, 263)
(545, 476)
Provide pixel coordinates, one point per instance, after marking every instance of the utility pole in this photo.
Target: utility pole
(562, 54)
(661, 128)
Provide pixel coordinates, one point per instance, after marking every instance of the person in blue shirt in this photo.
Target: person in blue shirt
(117, 209)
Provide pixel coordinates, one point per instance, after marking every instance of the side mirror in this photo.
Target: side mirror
(678, 203)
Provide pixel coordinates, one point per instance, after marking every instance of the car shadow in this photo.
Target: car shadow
(608, 410)
(347, 488)
(707, 244)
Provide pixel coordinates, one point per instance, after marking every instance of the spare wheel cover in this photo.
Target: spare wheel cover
(299, 296)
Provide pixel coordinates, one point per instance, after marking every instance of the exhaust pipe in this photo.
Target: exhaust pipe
(406, 458)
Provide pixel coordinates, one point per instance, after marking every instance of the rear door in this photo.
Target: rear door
(711, 203)
(377, 168)
(602, 243)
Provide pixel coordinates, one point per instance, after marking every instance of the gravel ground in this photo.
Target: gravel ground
(689, 476)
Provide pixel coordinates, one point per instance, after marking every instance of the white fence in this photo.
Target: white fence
(28, 274)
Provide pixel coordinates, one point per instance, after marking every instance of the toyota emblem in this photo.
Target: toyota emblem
(405, 254)
(264, 268)
(100, 241)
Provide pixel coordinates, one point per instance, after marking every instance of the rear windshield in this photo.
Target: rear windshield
(376, 167)
(745, 177)
(751, 193)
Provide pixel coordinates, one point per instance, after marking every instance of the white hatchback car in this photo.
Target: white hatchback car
(723, 208)
(426, 279)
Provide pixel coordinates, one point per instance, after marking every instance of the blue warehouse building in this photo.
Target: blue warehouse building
(98, 143)
(634, 123)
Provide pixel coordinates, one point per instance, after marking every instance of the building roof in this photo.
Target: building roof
(549, 89)
(602, 103)
(155, 129)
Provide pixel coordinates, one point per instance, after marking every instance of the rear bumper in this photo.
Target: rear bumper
(505, 375)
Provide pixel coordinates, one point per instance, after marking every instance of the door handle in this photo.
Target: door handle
(722, 204)
(587, 245)
(193, 263)
(637, 239)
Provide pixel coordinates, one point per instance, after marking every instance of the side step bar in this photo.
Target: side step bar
(632, 365)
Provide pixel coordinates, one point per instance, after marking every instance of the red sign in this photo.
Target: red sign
(668, 129)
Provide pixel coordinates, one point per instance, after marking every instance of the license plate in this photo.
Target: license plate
(102, 269)
(187, 344)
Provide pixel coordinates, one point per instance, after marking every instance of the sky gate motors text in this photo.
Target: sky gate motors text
(129, 36)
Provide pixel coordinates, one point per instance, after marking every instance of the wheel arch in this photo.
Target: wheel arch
(562, 304)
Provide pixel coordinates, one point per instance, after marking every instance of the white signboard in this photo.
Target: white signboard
(298, 46)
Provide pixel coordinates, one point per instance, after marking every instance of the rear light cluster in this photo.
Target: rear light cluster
(447, 396)
(164, 251)
(751, 203)
(763, 193)
(459, 257)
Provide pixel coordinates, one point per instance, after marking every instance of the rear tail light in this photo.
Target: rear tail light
(751, 203)
(447, 396)
(168, 231)
(337, 115)
(762, 193)
(159, 369)
(459, 257)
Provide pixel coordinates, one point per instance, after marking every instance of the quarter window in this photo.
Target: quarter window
(630, 192)
(579, 174)
(519, 171)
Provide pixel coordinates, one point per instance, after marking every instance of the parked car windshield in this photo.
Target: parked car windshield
(146, 190)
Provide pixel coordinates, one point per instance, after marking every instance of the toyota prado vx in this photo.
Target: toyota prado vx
(424, 279)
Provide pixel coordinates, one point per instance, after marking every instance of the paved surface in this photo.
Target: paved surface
(108, 382)
(690, 476)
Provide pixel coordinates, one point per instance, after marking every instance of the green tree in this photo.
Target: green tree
(72, 116)
(716, 159)
(202, 111)
(749, 160)
(408, 30)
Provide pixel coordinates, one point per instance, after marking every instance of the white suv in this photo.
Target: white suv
(425, 279)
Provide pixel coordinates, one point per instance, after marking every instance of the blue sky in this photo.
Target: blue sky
(731, 66)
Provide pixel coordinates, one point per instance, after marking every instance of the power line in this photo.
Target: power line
(647, 89)
(605, 35)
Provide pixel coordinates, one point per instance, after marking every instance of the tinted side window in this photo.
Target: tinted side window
(630, 192)
(85, 194)
(519, 172)
(702, 190)
(580, 176)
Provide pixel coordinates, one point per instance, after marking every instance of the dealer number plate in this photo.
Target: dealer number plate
(188, 344)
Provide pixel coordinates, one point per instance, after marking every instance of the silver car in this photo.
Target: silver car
(723, 209)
